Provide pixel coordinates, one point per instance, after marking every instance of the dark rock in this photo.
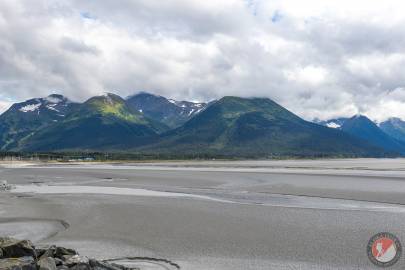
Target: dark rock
(124, 268)
(96, 265)
(13, 248)
(64, 258)
(61, 251)
(62, 267)
(58, 261)
(81, 266)
(22, 263)
(47, 263)
(46, 252)
(40, 252)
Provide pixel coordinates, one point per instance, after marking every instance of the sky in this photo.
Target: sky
(320, 59)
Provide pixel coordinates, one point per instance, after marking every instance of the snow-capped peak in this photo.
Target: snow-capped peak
(52, 102)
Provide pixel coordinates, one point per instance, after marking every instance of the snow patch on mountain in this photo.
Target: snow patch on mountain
(333, 125)
(52, 107)
(30, 107)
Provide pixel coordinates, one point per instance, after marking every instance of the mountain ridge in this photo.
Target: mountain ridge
(255, 126)
(21, 119)
(102, 122)
(230, 126)
(395, 127)
(377, 134)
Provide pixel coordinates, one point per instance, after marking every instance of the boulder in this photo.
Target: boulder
(81, 266)
(70, 260)
(22, 263)
(46, 252)
(121, 267)
(59, 252)
(22, 255)
(47, 263)
(13, 248)
(97, 265)
(58, 261)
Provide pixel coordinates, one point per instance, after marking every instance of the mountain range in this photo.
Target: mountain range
(389, 135)
(230, 126)
(394, 127)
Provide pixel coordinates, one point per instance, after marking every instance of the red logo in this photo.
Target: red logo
(384, 249)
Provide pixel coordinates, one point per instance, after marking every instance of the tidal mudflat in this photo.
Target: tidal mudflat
(211, 215)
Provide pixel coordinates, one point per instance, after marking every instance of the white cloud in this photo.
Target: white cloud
(4, 106)
(307, 75)
(318, 58)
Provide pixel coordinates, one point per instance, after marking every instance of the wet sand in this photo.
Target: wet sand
(212, 215)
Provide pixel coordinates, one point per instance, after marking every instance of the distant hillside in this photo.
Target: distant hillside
(101, 123)
(394, 127)
(19, 122)
(258, 127)
(167, 111)
(362, 127)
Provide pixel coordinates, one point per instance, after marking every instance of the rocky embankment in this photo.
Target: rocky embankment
(22, 255)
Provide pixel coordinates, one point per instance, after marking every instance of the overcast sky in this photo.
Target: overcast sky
(317, 58)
